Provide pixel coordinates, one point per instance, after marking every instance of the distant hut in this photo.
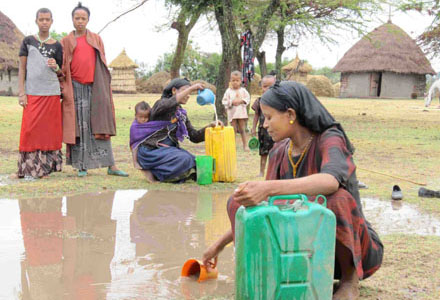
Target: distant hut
(297, 70)
(10, 41)
(385, 63)
(123, 79)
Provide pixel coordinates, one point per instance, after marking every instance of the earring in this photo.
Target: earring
(291, 122)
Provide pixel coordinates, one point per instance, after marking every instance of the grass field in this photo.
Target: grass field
(398, 138)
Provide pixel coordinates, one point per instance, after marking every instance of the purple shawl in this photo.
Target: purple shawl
(140, 132)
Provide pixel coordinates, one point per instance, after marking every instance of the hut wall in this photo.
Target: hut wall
(355, 85)
(123, 81)
(9, 82)
(396, 85)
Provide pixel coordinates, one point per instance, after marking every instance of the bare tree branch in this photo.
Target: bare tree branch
(124, 13)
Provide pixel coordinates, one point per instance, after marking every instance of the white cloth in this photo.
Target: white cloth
(236, 111)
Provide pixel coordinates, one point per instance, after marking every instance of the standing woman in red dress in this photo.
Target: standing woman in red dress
(41, 58)
(88, 110)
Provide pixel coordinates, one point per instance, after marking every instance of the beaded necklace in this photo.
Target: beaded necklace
(295, 166)
(42, 42)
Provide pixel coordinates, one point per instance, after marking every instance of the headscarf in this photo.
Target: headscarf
(310, 112)
(175, 83)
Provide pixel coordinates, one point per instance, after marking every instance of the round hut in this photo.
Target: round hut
(386, 63)
(297, 70)
(123, 79)
(10, 41)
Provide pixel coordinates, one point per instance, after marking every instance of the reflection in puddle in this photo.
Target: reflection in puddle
(132, 244)
(115, 245)
(389, 217)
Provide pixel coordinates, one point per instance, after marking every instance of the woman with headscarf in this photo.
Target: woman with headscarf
(88, 110)
(155, 144)
(312, 156)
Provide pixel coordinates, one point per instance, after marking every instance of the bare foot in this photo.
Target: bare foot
(347, 290)
(149, 176)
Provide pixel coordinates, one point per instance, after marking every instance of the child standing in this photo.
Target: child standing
(235, 100)
(142, 112)
(264, 138)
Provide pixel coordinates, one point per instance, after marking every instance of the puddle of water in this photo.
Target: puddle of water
(132, 244)
(114, 245)
(388, 217)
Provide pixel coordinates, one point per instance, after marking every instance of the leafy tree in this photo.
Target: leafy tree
(430, 39)
(195, 64)
(57, 36)
(299, 19)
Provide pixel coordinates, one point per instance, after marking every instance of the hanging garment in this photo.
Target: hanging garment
(248, 58)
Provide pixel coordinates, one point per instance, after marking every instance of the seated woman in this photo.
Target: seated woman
(155, 144)
(312, 156)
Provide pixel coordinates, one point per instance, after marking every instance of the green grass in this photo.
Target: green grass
(393, 137)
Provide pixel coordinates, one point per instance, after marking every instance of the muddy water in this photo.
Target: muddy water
(114, 245)
(398, 217)
(132, 244)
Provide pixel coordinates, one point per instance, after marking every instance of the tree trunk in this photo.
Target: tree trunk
(182, 39)
(231, 59)
(261, 56)
(280, 50)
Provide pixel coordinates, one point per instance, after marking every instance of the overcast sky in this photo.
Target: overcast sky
(138, 33)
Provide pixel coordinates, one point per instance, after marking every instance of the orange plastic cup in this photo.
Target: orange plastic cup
(194, 267)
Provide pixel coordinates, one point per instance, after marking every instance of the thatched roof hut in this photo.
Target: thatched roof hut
(123, 78)
(385, 63)
(297, 70)
(10, 41)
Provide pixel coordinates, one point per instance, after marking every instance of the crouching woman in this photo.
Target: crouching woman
(312, 156)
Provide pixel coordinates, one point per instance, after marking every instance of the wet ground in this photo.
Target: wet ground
(132, 244)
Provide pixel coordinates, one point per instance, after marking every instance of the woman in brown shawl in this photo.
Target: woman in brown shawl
(313, 156)
(88, 110)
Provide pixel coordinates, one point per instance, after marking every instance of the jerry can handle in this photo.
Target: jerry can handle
(324, 202)
(287, 197)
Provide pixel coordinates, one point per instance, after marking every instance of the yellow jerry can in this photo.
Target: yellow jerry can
(220, 144)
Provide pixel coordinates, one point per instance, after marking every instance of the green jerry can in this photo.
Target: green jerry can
(285, 251)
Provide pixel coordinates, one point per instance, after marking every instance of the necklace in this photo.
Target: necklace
(42, 42)
(295, 166)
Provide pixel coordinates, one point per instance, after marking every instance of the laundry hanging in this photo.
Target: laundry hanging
(248, 58)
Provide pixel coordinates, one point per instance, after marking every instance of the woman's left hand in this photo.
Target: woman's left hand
(251, 193)
(216, 123)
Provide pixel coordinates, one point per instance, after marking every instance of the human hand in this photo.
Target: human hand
(197, 86)
(22, 100)
(251, 193)
(236, 102)
(216, 123)
(210, 255)
(254, 132)
(51, 62)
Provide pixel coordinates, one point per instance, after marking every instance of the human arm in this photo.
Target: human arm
(182, 96)
(56, 63)
(214, 250)
(251, 193)
(227, 101)
(255, 107)
(22, 98)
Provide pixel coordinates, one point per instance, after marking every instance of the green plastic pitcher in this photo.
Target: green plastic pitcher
(205, 169)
